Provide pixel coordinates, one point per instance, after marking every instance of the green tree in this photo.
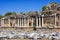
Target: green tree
(10, 13)
(1, 16)
(13, 13)
(53, 3)
(44, 8)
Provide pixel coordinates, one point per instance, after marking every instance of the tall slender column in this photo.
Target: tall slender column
(14, 23)
(20, 22)
(24, 21)
(9, 22)
(36, 21)
(2, 22)
(28, 21)
(42, 20)
(55, 20)
(32, 22)
(39, 22)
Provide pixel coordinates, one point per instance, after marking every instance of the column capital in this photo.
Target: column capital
(42, 15)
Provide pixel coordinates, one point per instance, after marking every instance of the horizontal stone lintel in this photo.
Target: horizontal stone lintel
(33, 27)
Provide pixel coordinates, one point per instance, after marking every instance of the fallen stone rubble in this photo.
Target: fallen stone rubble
(33, 34)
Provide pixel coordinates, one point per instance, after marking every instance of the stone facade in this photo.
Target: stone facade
(48, 20)
(32, 22)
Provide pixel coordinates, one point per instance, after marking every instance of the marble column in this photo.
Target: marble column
(20, 22)
(42, 21)
(28, 21)
(2, 22)
(55, 20)
(25, 22)
(36, 21)
(39, 22)
(31, 22)
(9, 22)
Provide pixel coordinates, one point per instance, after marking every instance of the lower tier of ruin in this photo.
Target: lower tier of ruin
(30, 29)
(29, 33)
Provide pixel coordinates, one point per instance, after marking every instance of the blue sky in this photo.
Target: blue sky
(23, 5)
